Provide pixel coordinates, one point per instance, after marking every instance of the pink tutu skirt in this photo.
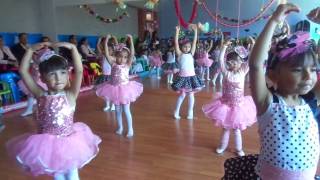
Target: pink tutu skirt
(206, 62)
(50, 154)
(155, 62)
(121, 93)
(26, 91)
(232, 116)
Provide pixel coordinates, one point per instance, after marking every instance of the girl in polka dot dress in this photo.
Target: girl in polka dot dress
(288, 129)
(187, 82)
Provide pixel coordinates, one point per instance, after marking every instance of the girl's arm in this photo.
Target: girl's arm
(110, 58)
(176, 41)
(115, 40)
(210, 46)
(194, 42)
(222, 55)
(78, 69)
(260, 93)
(132, 53)
(222, 39)
(25, 67)
(99, 50)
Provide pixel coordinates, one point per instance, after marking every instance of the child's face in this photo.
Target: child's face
(295, 79)
(186, 48)
(56, 80)
(234, 64)
(122, 57)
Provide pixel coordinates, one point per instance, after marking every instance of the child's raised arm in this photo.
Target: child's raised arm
(132, 52)
(260, 92)
(77, 65)
(99, 50)
(222, 55)
(176, 41)
(25, 67)
(210, 46)
(110, 58)
(195, 38)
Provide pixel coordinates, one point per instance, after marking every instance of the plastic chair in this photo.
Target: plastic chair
(11, 79)
(5, 92)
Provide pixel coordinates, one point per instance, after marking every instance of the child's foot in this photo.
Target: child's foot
(26, 113)
(190, 115)
(119, 131)
(105, 109)
(130, 133)
(220, 150)
(171, 82)
(240, 153)
(176, 115)
(2, 127)
(113, 108)
(317, 177)
(208, 79)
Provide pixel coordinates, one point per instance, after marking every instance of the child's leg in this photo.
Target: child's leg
(127, 111)
(113, 108)
(171, 78)
(178, 106)
(59, 176)
(224, 141)
(208, 73)
(119, 119)
(29, 109)
(238, 142)
(73, 174)
(2, 126)
(190, 105)
(221, 78)
(202, 72)
(214, 79)
(168, 78)
(158, 73)
(107, 107)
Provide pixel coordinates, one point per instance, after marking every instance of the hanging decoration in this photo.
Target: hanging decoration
(101, 18)
(121, 5)
(182, 22)
(204, 27)
(221, 20)
(150, 4)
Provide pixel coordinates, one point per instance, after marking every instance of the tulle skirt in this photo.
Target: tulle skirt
(121, 93)
(206, 62)
(228, 116)
(50, 154)
(170, 68)
(26, 91)
(155, 62)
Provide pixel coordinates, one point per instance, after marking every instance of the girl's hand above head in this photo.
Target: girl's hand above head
(41, 45)
(250, 40)
(314, 15)
(64, 44)
(109, 36)
(178, 28)
(194, 27)
(129, 36)
(283, 10)
(227, 43)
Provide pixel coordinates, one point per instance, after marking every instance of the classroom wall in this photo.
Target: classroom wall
(249, 8)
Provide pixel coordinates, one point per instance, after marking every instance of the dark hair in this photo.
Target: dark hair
(53, 64)
(82, 40)
(71, 37)
(44, 37)
(233, 55)
(21, 34)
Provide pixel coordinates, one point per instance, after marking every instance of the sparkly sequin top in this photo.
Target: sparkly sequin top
(54, 115)
(233, 86)
(120, 74)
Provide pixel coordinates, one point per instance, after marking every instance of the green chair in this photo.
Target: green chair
(5, 93)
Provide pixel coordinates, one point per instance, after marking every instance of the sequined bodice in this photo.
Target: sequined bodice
(120, 74)
(54, 115)
(233, 87)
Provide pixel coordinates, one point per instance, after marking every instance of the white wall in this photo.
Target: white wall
(25, 16)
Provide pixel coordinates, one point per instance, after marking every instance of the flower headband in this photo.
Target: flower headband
(44, 54)
(184, 41)
(240, 51)
(120, 47)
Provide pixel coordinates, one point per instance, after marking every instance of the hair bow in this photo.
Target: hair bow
(120, 47)
(43, 55)
(241, 51)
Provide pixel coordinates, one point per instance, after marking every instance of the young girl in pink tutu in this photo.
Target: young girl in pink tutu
(203, 59)
(60, 147)
(171, 66)
(156, 61)
(187, 82)
(233, 110)
(120, 90)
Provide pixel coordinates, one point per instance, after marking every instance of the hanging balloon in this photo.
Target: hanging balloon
(150, 4)
(120, 4)
(204, 27)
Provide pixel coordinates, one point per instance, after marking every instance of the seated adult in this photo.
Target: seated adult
(66, 53)
(86, 51)
(20, 48)
(8, 61)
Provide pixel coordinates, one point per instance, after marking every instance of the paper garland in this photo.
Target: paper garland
(101, 18)
(182, 22)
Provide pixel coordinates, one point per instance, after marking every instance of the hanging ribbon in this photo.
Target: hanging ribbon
(220, 20)
(182, 22)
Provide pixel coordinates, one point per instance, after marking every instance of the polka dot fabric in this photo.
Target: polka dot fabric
(187, 84)
(289, 137)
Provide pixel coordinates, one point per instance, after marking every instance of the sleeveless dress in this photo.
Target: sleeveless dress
(187, 80)
(119, 90)
(232, 110)
(203, 60)
(60, 144)
(171, 66)
(155, 61)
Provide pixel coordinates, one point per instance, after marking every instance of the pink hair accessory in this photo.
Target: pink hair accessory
(43, 55)
(295, 44)
(241, 51)
(184, 41)
(120, 47)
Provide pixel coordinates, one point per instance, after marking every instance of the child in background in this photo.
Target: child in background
(120, 91)
(60, 147)
(233, 110)
(187, 82)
